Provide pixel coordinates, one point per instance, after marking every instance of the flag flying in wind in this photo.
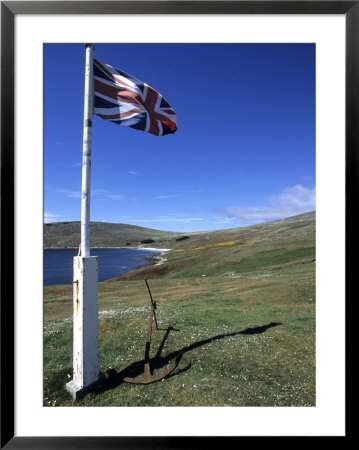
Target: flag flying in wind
(125, 100)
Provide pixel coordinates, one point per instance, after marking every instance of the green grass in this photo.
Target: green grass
(274, 257)
(246, 328)
(232, 353)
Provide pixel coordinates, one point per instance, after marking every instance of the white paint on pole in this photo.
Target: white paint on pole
(85, 326)
(86, 158)
(85, 304)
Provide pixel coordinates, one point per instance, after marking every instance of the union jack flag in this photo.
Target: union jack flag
(125, 100)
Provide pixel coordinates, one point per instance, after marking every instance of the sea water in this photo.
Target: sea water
(112, 262)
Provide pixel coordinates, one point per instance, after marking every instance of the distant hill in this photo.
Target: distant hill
(67, 234)
(260, 250)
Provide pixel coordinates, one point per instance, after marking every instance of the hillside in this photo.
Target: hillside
(239, 250)
(67, 234)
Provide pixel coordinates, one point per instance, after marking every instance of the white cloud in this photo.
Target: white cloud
(298, 197)
(166, 196)
(290, 202)
(131, 172)
(167, 220)
(95, 193)
(100, 192)
(116, 197)
(69, 193)
(48, 217)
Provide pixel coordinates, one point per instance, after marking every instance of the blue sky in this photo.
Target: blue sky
(243, 154)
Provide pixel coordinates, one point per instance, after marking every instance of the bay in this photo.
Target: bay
(112, 262)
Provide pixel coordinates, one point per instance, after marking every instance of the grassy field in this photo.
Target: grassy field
(237, 305)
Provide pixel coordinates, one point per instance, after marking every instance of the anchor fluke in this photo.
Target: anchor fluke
(147, 377)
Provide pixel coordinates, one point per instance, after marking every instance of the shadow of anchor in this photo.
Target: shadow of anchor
(132, 374)
(148, 376)
(114, 378)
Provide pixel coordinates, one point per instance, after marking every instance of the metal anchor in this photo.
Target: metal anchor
(147, 377)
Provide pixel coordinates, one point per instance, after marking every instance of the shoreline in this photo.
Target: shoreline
(154, 260)
(151, 249)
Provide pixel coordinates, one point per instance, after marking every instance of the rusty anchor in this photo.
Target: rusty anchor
(147, 377)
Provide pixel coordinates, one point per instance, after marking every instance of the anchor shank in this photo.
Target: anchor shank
(147, 376)
(149, 334)
(153, 303)
(154, 315)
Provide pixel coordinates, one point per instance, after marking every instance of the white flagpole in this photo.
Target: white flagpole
(86, 158)
(85, 302)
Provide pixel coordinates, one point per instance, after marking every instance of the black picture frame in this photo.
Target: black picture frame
(9, 10)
